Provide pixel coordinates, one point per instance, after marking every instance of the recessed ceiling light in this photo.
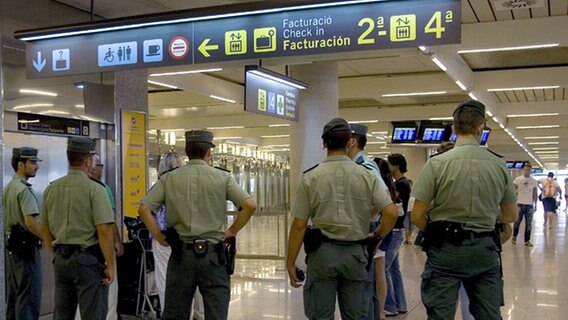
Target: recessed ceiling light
(546, 148)
(34, 105)
(535, 46)
(545, 152)
(539, 127)
(543, 143)
(80, 106)
(276, 136)
(53, 112)
(161, 84)
(226, 138)
(544, 137)
(39, 92)
(409, 94)
(278, 125)
(439, 64)
(176, 73)
(523, 88)
(529, 115)
(222, 98)
(461, 85)
(224, 128)
(441, 118)
(364, 121)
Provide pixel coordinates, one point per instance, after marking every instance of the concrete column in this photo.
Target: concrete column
(2, 258)
(130, 94)
(318, 104)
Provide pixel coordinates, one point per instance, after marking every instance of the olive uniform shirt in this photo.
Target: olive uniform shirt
(18, 201)
(73, 206)
(467, 184)
(338, 195)
(195, 196)
(362, 159)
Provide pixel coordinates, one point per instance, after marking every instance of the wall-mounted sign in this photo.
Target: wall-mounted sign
(323, 30)
(52, 125)
(272, 94)
(133, 161)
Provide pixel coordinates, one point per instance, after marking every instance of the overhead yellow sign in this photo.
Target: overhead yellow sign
(133, 161)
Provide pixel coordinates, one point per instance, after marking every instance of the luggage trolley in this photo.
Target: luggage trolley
(146, 282)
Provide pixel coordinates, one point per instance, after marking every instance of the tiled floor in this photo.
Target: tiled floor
(534, 285)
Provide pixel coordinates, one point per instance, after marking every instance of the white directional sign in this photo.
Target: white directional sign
(38, 63)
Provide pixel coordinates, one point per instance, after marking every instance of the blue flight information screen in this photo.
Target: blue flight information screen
(404, 134)
(485, 136)
(433, 134)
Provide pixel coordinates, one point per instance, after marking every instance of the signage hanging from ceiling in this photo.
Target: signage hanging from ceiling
(52, 125)
(329, 29)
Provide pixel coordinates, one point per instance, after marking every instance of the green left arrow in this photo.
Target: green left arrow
(205, 47)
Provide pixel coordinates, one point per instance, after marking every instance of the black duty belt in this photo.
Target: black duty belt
(191, 246)
(67, 250)
(343, 242)
(469, 234)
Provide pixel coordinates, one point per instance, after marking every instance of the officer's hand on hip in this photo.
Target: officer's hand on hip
(118, 249)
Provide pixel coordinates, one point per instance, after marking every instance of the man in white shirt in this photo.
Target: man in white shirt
(550, 190)
(525, 185)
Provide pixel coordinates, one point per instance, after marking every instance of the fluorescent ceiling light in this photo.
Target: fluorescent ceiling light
(546, 148)
(54, 112)
(461, 85)
(222, 99)
(529, 115)
(544, 137)
(549, 157)
(543, 143)
(495, 119)
(364, 121)
(409, 94)
(501, 125)
(176, 73)
(534, 46)
(225, 138)
(35, 105)
(162, 84)
(539, 127)
(471, 95)
(80, 106)
(441, 118)
(39, 92)
(544, 152)
(276, 145)
(276, 136)
(439, 64)
(523, 88)
(279, 125)
(380, 132)
(422, 48)
(266, 74)
(227, 127)
(182, 20)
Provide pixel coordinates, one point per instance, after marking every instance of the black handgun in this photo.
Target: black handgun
(174, 240)
(231, 245)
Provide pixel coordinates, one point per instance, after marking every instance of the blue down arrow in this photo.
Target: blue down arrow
(39, 64)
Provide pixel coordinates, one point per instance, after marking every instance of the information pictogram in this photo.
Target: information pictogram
(61, 59)
(235, 42)
(403, 28)
(265, 39)
(178, 47)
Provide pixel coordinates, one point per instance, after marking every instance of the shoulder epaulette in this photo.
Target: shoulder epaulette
(495, 153)
(222, 169)
(26, 183)
(310, 169)
(97, 181)
(366, 166)
(172, 169)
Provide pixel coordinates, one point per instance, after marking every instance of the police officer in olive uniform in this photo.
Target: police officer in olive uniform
(195, 196)
(357, 153)
(471, 190)
(77, 221)
(23, 262)
(340, 197)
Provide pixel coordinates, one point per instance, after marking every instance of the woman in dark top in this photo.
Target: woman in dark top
(380, 279)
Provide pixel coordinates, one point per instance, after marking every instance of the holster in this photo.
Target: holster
(21, 242)
(229, 253)
(174, 240)
(372, 244)
(312, 239)
(439, 231)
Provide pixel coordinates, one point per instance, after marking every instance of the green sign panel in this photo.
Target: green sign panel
(342, 28)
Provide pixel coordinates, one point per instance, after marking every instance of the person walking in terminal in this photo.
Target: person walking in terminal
(525, 185)
(396, 297)
(340, 197)
(23, 261)
(77, 222)
(471, 190)
(195, 196)
(169, 162)
(357, 153)
(550, 190)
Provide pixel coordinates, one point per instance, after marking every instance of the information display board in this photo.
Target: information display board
(133, 141)
(334, 28)
(52, 125)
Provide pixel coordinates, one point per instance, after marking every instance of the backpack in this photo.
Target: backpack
(549, 190)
